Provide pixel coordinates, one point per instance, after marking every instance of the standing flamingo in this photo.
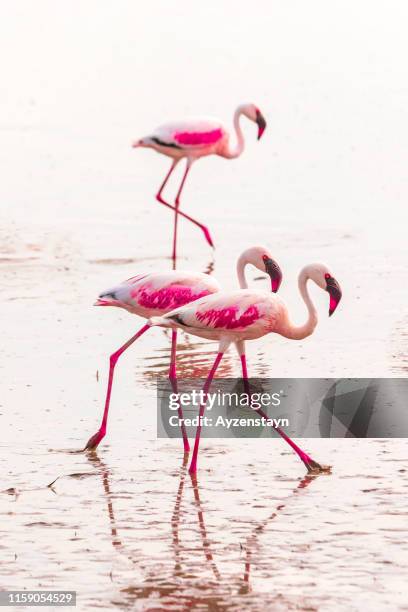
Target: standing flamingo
(196, 138)
(158, 293)
(237, 316)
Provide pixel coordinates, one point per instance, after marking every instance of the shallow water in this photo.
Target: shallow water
(127, 527)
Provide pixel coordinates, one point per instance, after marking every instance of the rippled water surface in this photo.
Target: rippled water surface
(127, 527)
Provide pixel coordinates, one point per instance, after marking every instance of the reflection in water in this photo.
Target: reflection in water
(175, 519)
(105, 475)
(209, 269)
(252, 540)
(193, 359)
(234, 540)
(203, 531)
(184, 586)
(175, 522)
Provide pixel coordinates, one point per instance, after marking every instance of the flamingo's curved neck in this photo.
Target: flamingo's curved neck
(235, 151)
(298, 332)
(241, 263)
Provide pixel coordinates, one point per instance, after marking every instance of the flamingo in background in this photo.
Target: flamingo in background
(237, 316)
(196, 138)
(157, 293)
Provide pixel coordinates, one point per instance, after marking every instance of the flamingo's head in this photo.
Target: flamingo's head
(261, 258)
(107, 300)
(274, 271)
(254, 114)
(321, 275)
(111, 297)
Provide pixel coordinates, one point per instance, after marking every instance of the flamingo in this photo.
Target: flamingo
(237, 316)
(157, 293)
(192, 139)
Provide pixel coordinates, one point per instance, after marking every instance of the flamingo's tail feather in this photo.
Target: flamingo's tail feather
(160, 321)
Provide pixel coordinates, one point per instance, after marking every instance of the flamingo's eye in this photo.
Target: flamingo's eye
(326, 276)
(265, 257)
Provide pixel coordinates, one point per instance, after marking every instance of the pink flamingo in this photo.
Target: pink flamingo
(196, 138)
(155, 294)
(237, 316)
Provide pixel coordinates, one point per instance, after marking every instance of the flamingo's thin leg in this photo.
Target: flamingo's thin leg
(311, 465)
(159, 198)
(100, 434)
(176, 212)
(173, 381)
(193, 464)
(164, 183)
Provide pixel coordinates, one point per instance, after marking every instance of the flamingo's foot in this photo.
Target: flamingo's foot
(94, 440)
(208, 238)
(315, 468)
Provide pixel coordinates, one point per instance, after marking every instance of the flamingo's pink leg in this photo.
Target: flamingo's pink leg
(173, 381)
(311, 465)
(100, 434)
(164, 183)
(159, 198)
(193, 464)
(176, 213)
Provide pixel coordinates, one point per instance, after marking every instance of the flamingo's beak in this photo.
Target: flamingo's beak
(333, 289)
(107, 299)
(260, 120)
(274, 272)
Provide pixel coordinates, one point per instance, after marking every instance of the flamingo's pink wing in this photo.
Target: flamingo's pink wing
(163, 291)
(223, 311)
(193, 133)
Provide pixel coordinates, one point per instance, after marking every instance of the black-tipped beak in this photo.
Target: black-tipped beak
(274, 272)
(260, 120)
(333, 289)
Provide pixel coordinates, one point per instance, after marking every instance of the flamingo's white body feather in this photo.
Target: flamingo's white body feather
(192, 138)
